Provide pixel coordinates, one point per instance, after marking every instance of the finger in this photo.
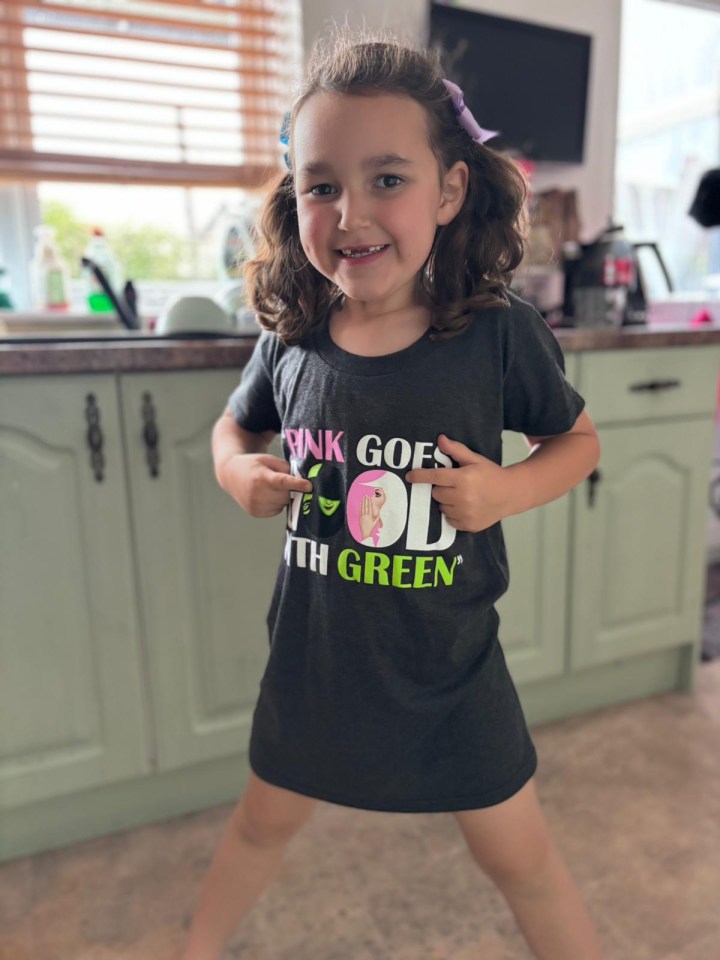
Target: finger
(451, 517)
(274, 463)
(289, 481)
(445, 495)
(443, 476)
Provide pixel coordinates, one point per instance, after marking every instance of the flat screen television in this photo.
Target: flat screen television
(527, 81)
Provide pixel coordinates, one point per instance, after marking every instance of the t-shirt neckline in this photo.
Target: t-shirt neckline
(355, 363)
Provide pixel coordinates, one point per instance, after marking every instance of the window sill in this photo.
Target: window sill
(55, 321)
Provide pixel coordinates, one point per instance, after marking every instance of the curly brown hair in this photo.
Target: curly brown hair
(472, 259)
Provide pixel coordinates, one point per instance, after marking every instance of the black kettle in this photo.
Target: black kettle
(603, 281)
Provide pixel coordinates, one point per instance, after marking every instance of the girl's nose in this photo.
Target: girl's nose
(354, 212)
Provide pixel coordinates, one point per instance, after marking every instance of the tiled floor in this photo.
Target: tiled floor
(632, 795)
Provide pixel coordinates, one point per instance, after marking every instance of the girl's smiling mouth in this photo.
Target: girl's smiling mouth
(362, 253)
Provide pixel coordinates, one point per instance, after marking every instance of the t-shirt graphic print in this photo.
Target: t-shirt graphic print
(376, 508)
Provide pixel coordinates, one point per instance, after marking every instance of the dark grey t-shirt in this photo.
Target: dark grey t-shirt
(386, 687)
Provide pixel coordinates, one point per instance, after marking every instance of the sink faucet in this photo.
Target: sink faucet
(125, 310)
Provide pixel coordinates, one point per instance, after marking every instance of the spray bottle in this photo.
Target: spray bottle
(49, 275)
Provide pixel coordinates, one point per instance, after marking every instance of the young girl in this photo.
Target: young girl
(391, 357)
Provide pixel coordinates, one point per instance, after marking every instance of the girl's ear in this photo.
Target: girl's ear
(454, 189)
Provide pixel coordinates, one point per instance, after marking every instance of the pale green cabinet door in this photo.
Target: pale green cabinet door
(206, 569)
(638, 572)
(532, 612)
(71, 710)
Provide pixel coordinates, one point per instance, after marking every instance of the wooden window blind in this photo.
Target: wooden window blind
(173, 92)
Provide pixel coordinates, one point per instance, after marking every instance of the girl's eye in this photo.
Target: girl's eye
(320, 190)
(390, 176)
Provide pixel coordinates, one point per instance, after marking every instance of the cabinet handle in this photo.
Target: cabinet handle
(151, 436)
(715, 495)
(594, 478)
(94, 436)
(655, 385)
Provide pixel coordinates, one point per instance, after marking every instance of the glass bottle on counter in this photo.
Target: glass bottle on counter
(49, 275)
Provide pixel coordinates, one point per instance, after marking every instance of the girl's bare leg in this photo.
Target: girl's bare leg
(512, 844)
(246, 859)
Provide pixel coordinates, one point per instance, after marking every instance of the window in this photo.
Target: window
(669, 131)
(149, 91)
(154, 116)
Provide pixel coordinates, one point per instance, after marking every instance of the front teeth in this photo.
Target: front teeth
(361, 253)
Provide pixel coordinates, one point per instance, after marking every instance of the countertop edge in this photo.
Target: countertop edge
(64, 358)
(148, 355)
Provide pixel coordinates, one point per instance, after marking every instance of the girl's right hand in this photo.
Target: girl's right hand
(261, 483)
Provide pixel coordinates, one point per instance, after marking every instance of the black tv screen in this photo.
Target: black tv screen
(528, 82)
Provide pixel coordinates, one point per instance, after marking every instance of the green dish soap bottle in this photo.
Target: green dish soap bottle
(99, 251)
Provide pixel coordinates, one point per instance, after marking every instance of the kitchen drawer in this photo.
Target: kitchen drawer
(649, 384)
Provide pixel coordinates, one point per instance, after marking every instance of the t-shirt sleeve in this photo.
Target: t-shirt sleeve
(252, 402)
(537, 399)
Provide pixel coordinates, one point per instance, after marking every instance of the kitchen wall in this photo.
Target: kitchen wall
(593, 179)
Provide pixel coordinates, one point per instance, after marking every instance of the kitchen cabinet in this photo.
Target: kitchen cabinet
(134, 594)
(71, 699)
(638, 573)
(204, 568)
(618, 569)
(533, 612)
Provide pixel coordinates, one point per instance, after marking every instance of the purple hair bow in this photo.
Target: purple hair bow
(466, 119)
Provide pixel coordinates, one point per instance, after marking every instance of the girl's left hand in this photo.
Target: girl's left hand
(473, 496)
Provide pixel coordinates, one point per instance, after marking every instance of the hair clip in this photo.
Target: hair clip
(285, 138)
(466, 119)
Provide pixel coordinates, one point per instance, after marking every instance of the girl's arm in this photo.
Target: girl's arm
(260, 482)
(559, 463)
(480, 492)
(230, 439)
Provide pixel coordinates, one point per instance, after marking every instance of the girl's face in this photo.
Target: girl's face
(370, 194)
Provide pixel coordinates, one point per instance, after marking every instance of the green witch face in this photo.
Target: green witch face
(322, 512)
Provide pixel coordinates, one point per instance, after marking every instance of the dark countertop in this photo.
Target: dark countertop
(148, 352)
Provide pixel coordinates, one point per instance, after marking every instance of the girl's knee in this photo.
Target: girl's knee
(510, 841)
(267, 815)
(522, 868)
